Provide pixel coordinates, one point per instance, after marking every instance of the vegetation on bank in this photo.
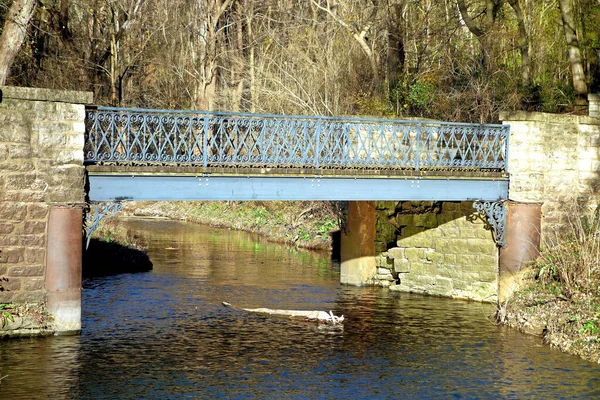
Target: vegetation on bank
(560, 297)
(304, 224)
(6, 314)
(17, 320)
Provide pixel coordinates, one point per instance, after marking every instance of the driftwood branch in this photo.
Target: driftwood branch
(318, 316)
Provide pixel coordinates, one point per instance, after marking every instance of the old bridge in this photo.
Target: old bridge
(445, 185)
(181, 155)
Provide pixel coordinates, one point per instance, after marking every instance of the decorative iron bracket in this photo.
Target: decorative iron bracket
(96, 212)
(495, 218)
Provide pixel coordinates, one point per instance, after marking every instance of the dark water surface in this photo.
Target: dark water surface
(164, 334)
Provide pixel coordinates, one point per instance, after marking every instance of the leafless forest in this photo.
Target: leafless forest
(458, 60)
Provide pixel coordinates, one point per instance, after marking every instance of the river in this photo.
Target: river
(164, 334)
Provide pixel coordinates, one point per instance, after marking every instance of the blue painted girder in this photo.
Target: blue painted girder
(111, 187)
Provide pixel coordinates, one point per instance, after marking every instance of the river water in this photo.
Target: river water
(165, 335)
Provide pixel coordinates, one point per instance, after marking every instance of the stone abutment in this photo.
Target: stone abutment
(41, 201)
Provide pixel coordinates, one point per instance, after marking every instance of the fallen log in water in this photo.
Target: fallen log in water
(318, 316)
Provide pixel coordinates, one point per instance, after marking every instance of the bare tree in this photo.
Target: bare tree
(359, 30)
(482, 32)
(13, 34)
(450, 59)
(206, 66)
(122, 17)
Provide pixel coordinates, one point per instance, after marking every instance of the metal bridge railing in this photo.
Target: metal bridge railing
(219, 139)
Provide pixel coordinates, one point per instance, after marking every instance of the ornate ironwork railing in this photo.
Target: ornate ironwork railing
(219, 139)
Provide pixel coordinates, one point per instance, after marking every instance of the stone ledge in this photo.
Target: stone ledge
(559, 119)
(39, 94)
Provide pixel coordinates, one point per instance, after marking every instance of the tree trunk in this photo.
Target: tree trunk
(114, 70)
(206, 85)
(523, 43)
(238, 61)
(13, 34)
(396, 57)
(364, 45)
(477, 32)
(251, 57)
(359, 33)
(566, 12)
(63, 21)
(474, 29)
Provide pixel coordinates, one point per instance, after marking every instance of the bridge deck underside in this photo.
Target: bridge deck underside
(114, 183)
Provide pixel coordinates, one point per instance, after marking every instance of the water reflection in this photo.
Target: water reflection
(165, 334)
(40, 368)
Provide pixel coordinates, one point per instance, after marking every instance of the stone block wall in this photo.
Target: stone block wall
(554, 160)
(594, 104)
(436, 248)
(41, 166)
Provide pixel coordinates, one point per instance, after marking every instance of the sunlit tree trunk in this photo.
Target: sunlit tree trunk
(13, 34)
(475, 30)
(568, 20)
(206, 82)
(251, 55)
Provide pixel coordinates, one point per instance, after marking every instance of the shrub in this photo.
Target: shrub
(572, 259)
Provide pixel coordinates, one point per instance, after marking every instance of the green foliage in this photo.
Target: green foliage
(5, 314)
(326, 226)
(303, 234)
(589, 328)
(259, 215)
(531, 97)
(420, 94)
(373, 106)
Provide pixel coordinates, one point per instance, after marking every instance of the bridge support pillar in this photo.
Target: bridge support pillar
(358, 244)
(523, 232)
(63, 268)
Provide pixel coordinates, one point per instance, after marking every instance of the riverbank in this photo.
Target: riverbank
(24, 320)
(569, 324)
(559, 297)
(303, 224)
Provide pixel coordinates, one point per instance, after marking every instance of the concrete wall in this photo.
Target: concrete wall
(41, 168)
(436, 248)
(554, 161)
